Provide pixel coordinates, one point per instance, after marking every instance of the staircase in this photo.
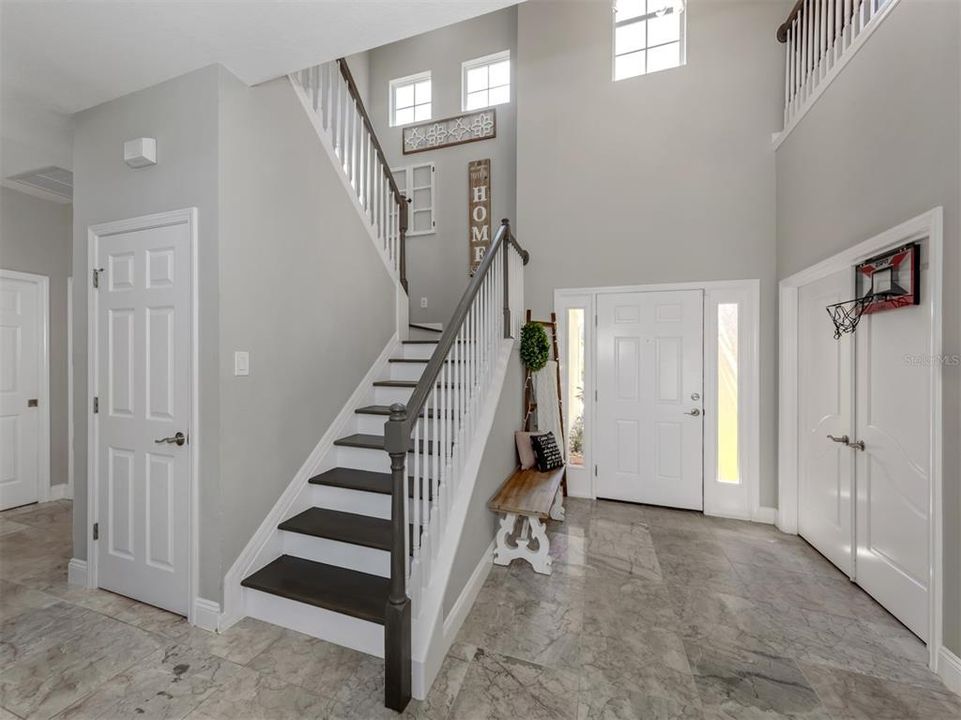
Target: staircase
(359, 550)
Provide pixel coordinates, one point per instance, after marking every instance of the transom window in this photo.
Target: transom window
(648, 36)
(410, 99)
(486, 81)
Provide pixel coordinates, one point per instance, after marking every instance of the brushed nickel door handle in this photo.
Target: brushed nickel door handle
(178, 439)
(859, 445)
(844, 439)
(695, 412)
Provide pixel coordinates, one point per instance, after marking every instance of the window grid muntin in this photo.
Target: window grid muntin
(485, 62)
(411, 81)
(645, 17)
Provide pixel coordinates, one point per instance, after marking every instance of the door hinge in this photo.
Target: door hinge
(595, 320)
(96, 531)
(96, 405)
(595, 471)
(595, 396)
(96, 277)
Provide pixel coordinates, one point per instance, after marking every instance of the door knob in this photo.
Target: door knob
(695, 412)
(859, 445)
(178, 439)
(844, 439)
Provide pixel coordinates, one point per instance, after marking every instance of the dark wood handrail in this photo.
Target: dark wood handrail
(355, 95)
(785, 26)
(399, 197)
(429, 378)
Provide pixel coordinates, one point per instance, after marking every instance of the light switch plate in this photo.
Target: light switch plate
(241, 363)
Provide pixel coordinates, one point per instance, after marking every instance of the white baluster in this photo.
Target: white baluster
(415, 500)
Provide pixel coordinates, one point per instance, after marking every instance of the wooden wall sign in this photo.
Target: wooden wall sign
(480, 125)
(479, 210)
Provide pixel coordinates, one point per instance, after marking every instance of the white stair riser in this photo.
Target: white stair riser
(374, 425)
(333, 552)
(340, 629)
(390, 395)
(369, 459)
(351, 501)
(406, 371)
(419, 351)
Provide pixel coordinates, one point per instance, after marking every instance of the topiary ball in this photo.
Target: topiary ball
(535, 346)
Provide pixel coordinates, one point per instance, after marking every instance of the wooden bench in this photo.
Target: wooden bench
(533, 497)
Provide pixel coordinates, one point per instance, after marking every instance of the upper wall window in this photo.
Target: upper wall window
(410, 99)
(648, 36)
(486, 81)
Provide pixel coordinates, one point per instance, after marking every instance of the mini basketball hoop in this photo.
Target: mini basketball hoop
(846, 315)
(888, 281)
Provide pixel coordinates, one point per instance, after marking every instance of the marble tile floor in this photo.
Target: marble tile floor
(650, 613)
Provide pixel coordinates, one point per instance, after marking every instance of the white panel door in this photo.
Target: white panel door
(825, 399)
(19, 390)
(894, 413)
(143, 318)
(649, 426)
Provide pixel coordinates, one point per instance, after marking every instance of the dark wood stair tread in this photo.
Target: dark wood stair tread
(363, 480)
(428, 328)
(420, 342)
(346, 527)
(376, 442)
(423, 361)
(334, 588)
(408, 384)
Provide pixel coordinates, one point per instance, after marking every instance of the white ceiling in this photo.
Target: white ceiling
(69, 55)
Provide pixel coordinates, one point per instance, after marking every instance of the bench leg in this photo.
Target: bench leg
(557, 509)
(532, 528)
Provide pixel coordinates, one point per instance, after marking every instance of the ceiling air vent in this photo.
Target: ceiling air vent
(53, 180)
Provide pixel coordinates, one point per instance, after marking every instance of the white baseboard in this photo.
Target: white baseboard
(206, 614)
(266, 542)
(949, 668)
(77, 572)
(60, 492)
(465, 601)
(767, 515)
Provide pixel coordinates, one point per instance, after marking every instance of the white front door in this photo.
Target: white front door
(649, 427)
(20, 348)
(825, 399)
(143, 386)
(894, 413)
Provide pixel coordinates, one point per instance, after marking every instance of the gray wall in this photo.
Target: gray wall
(659, 178)
(499, 461)
(280, 244)
(302, 289)
(879, 147)
(437, 264)
(36, 237)
(182, 115)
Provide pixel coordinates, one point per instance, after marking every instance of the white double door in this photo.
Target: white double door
(867, 510)
(649, 379)
(143, 385)
(20, 354)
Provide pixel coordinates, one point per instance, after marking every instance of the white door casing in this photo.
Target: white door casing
(649, 379)
(893, 473)
(890, 563)
(825, 407)
(24, 379)
(142, 372)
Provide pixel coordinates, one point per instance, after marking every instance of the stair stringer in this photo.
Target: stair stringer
(429, 641)
(267, 542)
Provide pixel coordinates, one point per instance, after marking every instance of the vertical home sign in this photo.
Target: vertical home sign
(479, 210)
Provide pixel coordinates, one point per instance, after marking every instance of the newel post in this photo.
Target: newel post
(507, 278)
(397, 654)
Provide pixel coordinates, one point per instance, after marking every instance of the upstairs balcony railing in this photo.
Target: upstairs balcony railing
(819, 37)
(342, 119)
